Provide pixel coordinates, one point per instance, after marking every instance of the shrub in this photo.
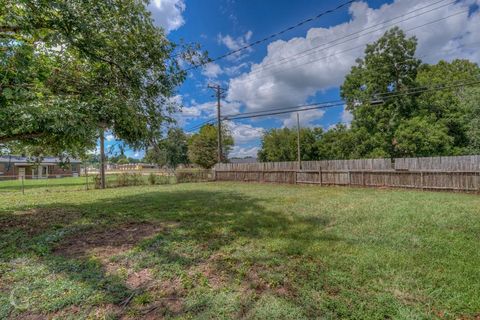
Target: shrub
(152, 178)
(194, 175)
(163, 180)
(97, 181)
(122, 180)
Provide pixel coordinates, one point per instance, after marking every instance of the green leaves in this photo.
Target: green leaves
(202, 146)
(281, 144)
(99, 62)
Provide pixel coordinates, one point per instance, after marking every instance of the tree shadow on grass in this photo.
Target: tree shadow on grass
(176, 230)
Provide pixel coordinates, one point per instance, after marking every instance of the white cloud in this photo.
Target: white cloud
(110, 137)
(209, 109)
(306, 118)
(236, 43)
(168, 13)
(280, 80)
(212, 70)
(205, 110)
(244, 133)
(242, 152)
(346, 116)
(236, 69)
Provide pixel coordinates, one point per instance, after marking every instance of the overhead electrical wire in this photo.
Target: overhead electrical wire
(337, 103)
(343, 51)
(321, 105)
(336, 53)
(274, 35)
(334, 101)
(299, 54)
(210, 120)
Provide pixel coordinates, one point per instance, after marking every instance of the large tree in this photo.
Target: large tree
(281, 144)
(402, 108)
(388, 69)
(452, 109)
(202, 146)
(171, 151)
(70, 67)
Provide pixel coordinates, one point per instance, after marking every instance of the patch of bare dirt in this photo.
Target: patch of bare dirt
(169, 300)
(139, 279)
(35, 221)
(104, 243)
(210, 270)
(255, 283)
(30, 316)
(106, 311)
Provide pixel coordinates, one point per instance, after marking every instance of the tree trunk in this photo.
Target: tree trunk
(102, 158)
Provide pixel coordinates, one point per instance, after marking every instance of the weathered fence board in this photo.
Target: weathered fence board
(443, 173)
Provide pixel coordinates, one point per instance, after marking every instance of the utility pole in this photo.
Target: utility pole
(219, 94)
(298, 144)
(102, 157)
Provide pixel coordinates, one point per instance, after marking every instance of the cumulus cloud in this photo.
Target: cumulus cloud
(236, 43)
(236, 69)
(205, 110)
(306, 118)
(168, 13)
(212, 70)
(242, 152)
(346, 116)
(280, 80)
(109, 137)
(244, 133)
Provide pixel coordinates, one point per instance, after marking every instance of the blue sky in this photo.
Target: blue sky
(304, 65)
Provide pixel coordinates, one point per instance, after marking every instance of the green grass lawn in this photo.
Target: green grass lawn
(226, 250)
(50, 184)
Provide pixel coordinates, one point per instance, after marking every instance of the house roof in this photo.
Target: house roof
(20, 159)
(243, 160)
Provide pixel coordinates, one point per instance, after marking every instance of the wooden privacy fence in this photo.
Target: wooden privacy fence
(444, 173)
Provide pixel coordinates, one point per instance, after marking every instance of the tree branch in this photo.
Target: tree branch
(21, 136)
(10, 29)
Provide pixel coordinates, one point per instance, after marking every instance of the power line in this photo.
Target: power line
(313, 104)
(329, 104)
(423, 25)
(274, 35)
(335, 101)
(346, 50)
(323, 105)
(364, 29)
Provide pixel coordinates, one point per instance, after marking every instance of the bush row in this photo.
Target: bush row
(132, 179)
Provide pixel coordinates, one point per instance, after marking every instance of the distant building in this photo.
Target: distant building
(130, 166)
(15, 167)
(243, 160)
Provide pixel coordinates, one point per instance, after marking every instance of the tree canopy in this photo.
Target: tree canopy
(281, 144)
(171, 151)
(202, 146)
(70, 67)
(397, 111)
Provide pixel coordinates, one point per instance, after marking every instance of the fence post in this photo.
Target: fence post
(476, 181)
(23, 186)
(363, 178)
(349, 178)
(321, 176)
(421, 179)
